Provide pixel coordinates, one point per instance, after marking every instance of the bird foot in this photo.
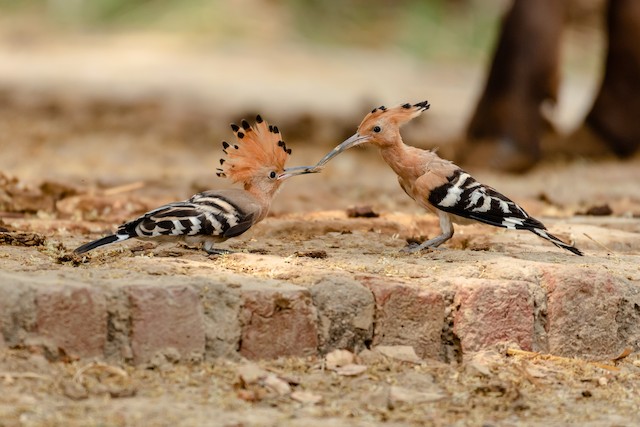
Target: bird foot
(417, 247)
(214, 251)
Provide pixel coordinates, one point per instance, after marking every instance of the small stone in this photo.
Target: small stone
(369, 357)
(338, 358)
(306, 397)
(405, 395)
(403, 353)
(281, 387)
(251, 373)
(362, 212)
(481, 362)
(351, 370)
(598, 210)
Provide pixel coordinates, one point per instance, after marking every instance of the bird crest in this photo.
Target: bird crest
(256, 148)
(397, 115)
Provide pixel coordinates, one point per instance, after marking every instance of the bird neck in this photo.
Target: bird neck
(262, 197)
(396, 155)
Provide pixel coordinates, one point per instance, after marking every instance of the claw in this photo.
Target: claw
(214, 251)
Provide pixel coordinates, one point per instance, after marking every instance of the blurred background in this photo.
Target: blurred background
(109, 92)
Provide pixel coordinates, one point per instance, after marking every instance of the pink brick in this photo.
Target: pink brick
(582, 305)
(277, 320)
(73, 318)
(165, 317)
(492, 311)
(407, 314)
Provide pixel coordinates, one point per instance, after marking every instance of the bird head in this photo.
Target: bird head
(257, 158)
(380, 127)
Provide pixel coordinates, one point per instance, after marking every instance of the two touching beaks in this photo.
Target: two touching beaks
(395, 116)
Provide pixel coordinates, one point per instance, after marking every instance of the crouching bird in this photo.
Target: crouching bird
(256, 160)
(437, 184)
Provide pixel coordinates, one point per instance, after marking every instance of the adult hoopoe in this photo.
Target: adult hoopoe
(256, 160)
(437, 184)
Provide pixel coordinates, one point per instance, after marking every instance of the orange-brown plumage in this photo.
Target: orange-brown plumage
(256, 160)
(435, 183)
(397, 115)
(257, 148)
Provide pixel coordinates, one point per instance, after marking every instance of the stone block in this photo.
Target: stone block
(73, 318)
(407, 314)
(493, 311)
(165, 319)
(278, 319)
(346, 311)
(582, 311)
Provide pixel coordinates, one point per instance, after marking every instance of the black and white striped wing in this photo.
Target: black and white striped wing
(202, 215)
(463, 196)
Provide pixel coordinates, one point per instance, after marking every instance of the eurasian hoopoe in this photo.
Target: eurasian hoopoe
(436, 184)
(256, 160)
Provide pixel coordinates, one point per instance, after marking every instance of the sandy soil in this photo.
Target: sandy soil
(490, 389)
(77, 166)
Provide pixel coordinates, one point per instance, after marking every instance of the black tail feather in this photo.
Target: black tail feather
(97, 243)
(553, 239)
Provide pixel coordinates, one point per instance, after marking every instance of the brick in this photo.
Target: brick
(165, 319)
(493, 311)
(73, 318)
(346, 311)
(582, 309)
(221, 304)
(407, 314)
(277, 320)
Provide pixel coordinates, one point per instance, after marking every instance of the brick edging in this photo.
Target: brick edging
(593, 314)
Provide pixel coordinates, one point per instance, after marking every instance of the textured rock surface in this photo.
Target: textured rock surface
(277, 320)
(345, 313)
(221, 308)
(165, 319)
(493, 311)
(407, 314)
(565, 309)
(73, 318)
(583, 311)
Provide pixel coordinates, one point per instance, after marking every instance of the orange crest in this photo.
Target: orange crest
(257, 147)
(397, 115)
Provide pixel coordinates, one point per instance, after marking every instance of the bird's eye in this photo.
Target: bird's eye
(273, 175)
(377, 129)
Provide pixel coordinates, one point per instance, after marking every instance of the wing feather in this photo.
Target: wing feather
(463, 196)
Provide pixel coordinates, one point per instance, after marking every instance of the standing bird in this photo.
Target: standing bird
(437, 184)
(256, 160)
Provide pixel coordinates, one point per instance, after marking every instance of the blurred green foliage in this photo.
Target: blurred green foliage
(425, 28)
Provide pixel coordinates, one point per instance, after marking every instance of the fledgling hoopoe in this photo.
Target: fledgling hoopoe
(256, 160)
(437, 184)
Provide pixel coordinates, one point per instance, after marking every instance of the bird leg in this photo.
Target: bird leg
(214, 251)
(208, 248)
(447, 232)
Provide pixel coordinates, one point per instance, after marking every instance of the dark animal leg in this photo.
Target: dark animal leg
(507, 125)
(615, 115)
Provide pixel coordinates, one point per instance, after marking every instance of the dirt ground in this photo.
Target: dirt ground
(75, 164)
(490, 389)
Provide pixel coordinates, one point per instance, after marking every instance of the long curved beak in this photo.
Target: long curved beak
(298, 170)
(355, 139)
